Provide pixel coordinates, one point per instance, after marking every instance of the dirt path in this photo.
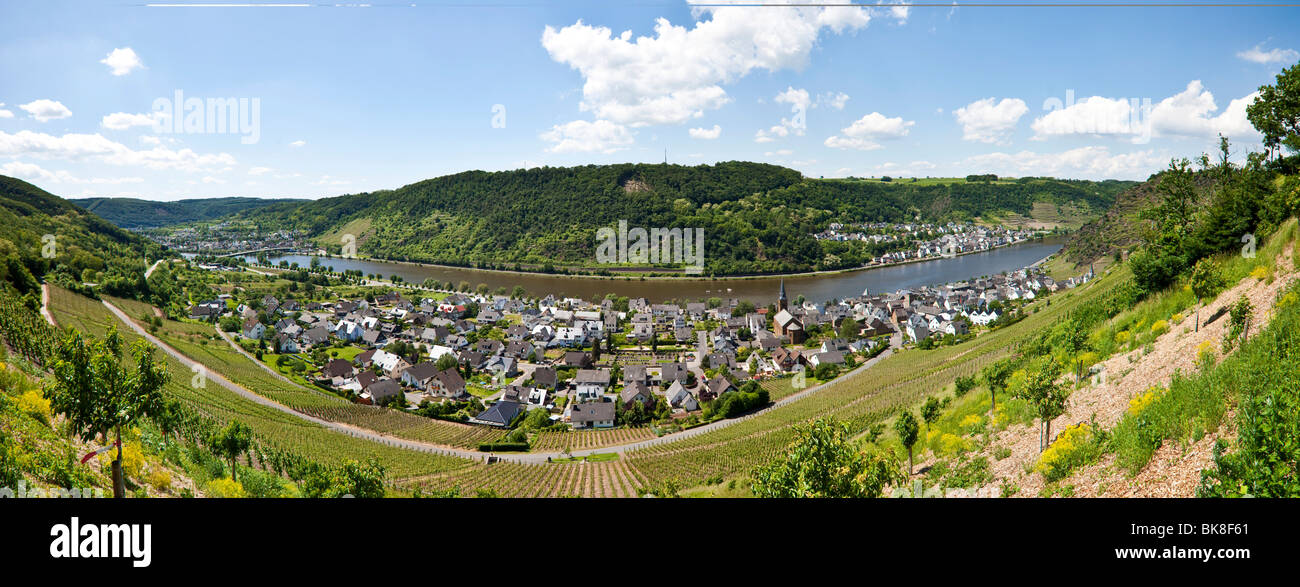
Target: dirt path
(45, 305)
(1175, 470)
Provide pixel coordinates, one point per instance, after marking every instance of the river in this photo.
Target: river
(760, 290)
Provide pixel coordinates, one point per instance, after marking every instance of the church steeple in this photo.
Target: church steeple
(781, 301)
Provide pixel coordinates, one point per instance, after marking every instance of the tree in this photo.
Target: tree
(907, 429)
(1205, 281)
(231, 442)
(849, 328)
(930, 410)
(99, 394)
(1048, 398)
(995, 377)
(1276, 112)
(823, 462)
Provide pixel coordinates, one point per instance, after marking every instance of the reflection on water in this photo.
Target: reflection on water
(759, 290)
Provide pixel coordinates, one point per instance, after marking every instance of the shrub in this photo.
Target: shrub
(35, 404)
(159, 479)
(227, 488)
(1076, 446)
(1159, 327)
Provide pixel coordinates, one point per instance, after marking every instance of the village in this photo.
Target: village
(916, 241)
(493, 360)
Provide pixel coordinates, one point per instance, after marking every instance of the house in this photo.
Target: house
(636, 392)
(338, 368)
(591, 383)
(448, 383)
(420, 375)
(205, 312)
(678, 397)
(827, 358)
(316, 336)
(544, 377)
(592, 415)
(579, 359)
(253, 329)
(285, 343)
(673, 372)
(381, 392)
(715, 388)
(500, 414)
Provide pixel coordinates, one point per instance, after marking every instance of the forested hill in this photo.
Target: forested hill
(135, 213)
(757, 218)
(44, 235)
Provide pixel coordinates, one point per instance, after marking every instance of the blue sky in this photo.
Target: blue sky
(355, 99)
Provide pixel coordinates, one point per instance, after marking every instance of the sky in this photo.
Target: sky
(322, 100)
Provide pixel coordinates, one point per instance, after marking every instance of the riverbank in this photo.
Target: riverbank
(668, 278)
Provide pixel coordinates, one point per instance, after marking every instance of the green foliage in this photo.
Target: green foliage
(1239, 319)
(1276, 112)
(553, 213)
(352, 478)
(822, 462)
(231, 442)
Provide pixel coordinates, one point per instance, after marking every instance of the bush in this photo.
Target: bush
(35, 405)
(226, 488)
(1076, 446)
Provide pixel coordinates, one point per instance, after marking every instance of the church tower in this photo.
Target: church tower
(781, 301)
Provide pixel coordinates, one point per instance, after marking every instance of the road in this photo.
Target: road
(894, 343)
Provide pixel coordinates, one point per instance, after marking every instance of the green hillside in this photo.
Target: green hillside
(757, 218)
(42, 234)
(135, 213)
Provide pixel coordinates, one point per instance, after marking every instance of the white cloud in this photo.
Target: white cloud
(1094, 115)
(1257, 54)
(87, 146)
(706, 133)
(581, 136)
(5, 113)
(34, 172)
(259, 170)
(865, 132)
(678, 73)
(43, 110)
(122, 61)
(298, 143)
(1084, 163)
(331, 181)
(210, 179)
(990, 121)
(779, 152)
(835, 100)
(797, 98)
(1186, 114)
(123, 120)
(150, 140)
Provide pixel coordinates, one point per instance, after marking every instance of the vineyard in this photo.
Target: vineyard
(271, 427)
(604, 479)
(558, 441)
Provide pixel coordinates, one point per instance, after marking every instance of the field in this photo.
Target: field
(550, 441)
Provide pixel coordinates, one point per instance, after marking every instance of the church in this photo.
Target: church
(785, 324)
